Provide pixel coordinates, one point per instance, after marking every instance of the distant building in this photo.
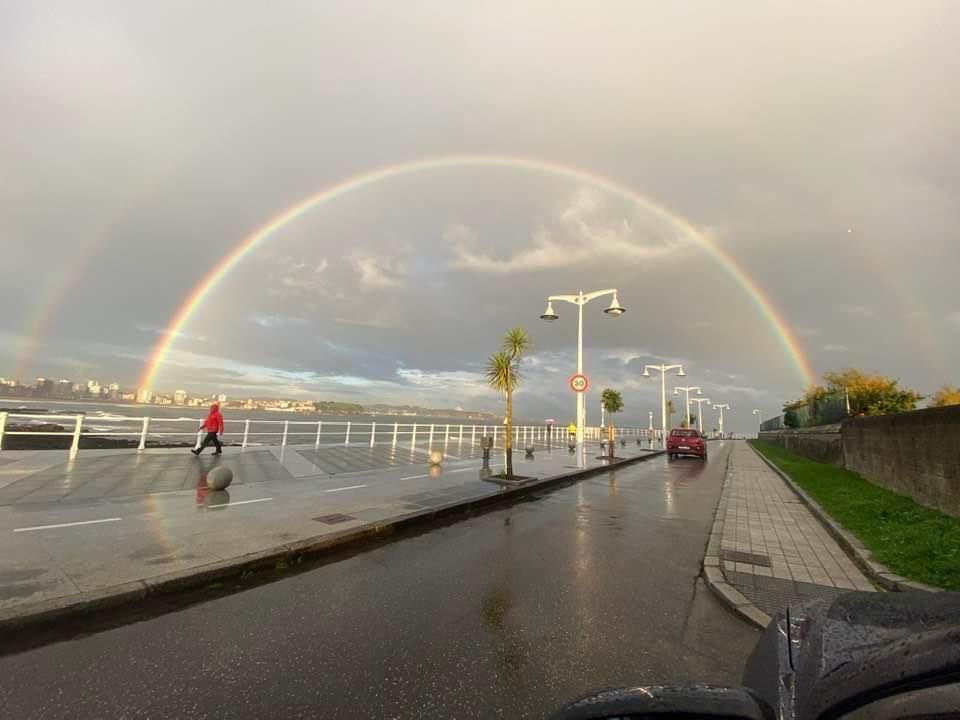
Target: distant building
(221, 398)
(144, 396)
(44, 387)
(180, 397)
(64, 389)
(93, 388)
(128, 396)
(113, 392)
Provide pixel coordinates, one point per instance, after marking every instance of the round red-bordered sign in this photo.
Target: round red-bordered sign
(579, 383)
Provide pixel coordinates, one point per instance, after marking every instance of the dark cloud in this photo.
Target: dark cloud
(817, 143)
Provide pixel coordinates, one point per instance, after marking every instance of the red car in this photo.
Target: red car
(682, 441)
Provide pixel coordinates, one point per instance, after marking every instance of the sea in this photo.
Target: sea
(175, 422)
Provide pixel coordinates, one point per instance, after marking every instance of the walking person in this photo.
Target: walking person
(213, 424)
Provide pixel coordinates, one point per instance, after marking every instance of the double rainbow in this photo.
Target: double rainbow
(208, 283)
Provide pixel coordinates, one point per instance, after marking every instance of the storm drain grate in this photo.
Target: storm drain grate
(745, 557)
(334, 518)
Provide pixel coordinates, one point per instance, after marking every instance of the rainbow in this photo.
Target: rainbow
(195, 299)
(72, 272)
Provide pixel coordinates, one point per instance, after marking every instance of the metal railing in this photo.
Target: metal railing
(250, 432)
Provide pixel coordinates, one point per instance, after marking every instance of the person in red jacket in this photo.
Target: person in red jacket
(213, 424)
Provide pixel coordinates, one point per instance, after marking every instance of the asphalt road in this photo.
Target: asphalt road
(505, 614)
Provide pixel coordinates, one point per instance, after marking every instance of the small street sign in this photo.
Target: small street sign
(579, 383)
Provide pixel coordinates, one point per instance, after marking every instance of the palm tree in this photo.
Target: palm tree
(670, 410)
(503, 375)
(612, 403)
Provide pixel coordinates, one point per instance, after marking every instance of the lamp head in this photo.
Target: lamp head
(681, 373)
(615, 309)
(549, 315)
(646, 372)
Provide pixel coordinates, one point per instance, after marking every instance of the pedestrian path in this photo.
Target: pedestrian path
(94, 525)
(773, 550)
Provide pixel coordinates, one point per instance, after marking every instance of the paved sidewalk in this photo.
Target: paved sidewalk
(114, 521)
(773, 550)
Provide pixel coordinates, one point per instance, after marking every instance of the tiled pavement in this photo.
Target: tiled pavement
(773, 550)
(112, 517)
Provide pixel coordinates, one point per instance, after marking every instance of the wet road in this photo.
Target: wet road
(506, 614)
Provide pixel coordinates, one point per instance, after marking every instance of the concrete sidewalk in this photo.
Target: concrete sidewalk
(114, 526)
(772, 549)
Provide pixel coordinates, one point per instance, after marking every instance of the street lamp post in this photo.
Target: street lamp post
(663, 370)
(700, 402)
(650, 435)
(759, 420)
(686, 390)
(580, 299)
(721, 407)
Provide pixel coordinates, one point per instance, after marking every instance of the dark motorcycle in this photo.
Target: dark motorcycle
(861, 655)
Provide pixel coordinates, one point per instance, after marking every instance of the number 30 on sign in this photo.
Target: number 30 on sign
(579, 383)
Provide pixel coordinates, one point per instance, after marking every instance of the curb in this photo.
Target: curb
(878, 573)
(49, 612)
(713, 569)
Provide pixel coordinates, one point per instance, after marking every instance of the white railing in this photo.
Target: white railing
(253, 432)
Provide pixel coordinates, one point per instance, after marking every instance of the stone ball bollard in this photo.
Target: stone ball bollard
(219, 478)
(529, 451)
(436, 457)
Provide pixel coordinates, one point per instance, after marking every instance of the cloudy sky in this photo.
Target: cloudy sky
(814, 144)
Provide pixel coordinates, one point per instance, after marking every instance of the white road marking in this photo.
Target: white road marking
(349, 487)
(414, 477)
(63, 525)
(239, 502)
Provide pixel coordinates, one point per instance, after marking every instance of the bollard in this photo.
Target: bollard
(286, 427)
(143, 434)
(346, 440)
(246, 433)
(395, 426)
(373, 433)
(75, 446)
(3, 424)
(316, 444)
(430, 441)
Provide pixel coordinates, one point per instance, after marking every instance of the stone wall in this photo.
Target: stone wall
(915, 453)
(821, 443)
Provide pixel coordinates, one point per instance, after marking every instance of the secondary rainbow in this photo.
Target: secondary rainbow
(209, 281)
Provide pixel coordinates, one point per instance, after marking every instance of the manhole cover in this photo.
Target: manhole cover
(745, 557)
(334, 519)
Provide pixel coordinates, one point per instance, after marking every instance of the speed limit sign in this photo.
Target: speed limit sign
(579, 383)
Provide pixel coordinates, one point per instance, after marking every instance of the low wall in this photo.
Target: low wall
(821, 443)
(915, 453)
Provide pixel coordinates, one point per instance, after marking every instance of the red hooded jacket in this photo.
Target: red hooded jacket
(214, 420)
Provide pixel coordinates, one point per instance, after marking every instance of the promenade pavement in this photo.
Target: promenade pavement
(115, 518)
(773, 550)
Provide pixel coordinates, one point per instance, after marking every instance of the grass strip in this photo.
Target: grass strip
(913, 541)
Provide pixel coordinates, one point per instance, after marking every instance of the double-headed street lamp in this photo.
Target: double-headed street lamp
(663, 369)
(700, 402)
(581, 299)
(721, 407)
(686, 404)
